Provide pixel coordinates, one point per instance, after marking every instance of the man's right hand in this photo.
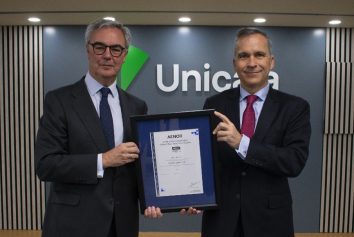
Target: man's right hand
(120, 155)
(190, 211)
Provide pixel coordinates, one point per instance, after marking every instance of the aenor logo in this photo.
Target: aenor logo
(174, 136)
(220, 80)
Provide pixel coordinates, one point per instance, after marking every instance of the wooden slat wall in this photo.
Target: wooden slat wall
(337, 197)
(21, 97)
(22, 196)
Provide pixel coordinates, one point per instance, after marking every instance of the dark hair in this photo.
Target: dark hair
(101, 23)
(247, 31)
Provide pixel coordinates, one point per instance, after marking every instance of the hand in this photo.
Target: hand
(190, 211)
(120, 155)
(153, 212)
(226, 131)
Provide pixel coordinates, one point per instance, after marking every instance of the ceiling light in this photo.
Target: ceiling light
(335, 22)
(109, 18)
(184, 19)
(34, 19)
(259, 20)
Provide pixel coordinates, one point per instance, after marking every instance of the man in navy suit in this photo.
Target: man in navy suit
(255, 198)
(91, 167)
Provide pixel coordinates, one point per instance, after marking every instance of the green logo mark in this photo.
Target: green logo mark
(134, 61)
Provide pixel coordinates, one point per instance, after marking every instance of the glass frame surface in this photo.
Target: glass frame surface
(145, 125)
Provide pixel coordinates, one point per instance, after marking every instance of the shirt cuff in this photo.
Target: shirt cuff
(243, 147)
(100, 170)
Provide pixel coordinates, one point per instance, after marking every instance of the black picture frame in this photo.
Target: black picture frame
(143, 126)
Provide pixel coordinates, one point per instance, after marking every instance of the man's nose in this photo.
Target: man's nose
(252, 62)
(107, 53)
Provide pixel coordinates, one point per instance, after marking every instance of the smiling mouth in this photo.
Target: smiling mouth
(252, 72)
(106, 65)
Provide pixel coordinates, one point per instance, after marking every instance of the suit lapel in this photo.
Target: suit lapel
(233, 107)
(268, 114)
(83, 105)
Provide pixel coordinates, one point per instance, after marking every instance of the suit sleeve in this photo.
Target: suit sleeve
(285, 148)
(55, 162)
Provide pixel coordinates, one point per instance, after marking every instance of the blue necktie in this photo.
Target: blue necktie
(106, 117)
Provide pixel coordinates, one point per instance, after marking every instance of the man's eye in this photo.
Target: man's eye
(116, 49)
(100, 47)
(241, 56)
(260, 55)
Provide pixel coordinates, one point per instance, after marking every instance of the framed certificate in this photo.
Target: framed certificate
(176, 165)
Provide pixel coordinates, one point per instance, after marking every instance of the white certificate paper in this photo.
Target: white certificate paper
(177, 162)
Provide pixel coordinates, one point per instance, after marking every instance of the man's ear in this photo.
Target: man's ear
(272, 65)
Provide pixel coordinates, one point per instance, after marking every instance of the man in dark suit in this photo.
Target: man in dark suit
(84, 146)
(254, 164)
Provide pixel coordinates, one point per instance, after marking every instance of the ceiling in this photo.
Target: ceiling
(301, 13)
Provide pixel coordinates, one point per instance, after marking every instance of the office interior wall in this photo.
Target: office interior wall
(297, 51)
(208, 52)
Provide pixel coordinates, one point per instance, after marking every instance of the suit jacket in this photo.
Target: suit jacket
(256, 189)
(68, 141)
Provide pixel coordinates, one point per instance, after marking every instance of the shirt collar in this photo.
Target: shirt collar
(93, 86)
(262, 93)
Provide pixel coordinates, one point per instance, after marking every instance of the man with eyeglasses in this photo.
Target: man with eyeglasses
(84, 146)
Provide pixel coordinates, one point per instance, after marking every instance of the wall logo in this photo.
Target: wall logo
(133, 64)
(203, 81)
(136, 59)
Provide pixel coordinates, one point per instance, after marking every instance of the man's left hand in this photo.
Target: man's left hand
(226, 131)
(153, 212)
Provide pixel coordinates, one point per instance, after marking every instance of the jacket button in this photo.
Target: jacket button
(243, 173)
(238, 196)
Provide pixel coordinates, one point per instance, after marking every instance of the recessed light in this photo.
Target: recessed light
(259, 20)
(335, 22)
(109, 18)
(34, 19)
(184, 19)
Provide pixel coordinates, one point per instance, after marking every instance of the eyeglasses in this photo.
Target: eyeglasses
(100, 48)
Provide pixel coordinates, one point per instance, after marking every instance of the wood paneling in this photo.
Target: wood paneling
(337, 195)
(21, 98)
(18, 233)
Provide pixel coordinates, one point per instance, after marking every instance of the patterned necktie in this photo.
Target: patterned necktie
(249, 117)
(106, 117)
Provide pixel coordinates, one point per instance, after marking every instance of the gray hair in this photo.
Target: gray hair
(101, 23)
(247, 31)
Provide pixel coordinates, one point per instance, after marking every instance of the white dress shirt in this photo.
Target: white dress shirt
(93, 88)
(257, 106)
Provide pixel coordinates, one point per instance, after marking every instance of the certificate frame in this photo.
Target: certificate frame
(145, 125)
